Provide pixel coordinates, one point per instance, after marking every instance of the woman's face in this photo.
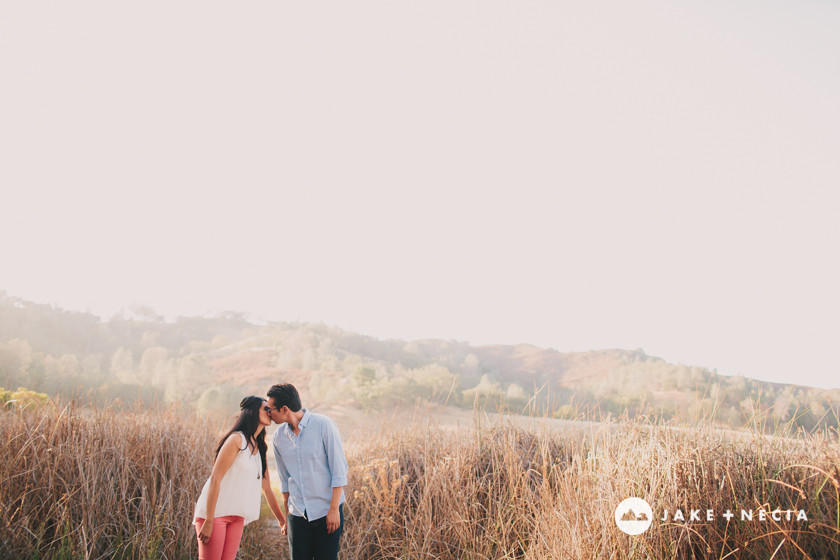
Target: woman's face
(265, 419)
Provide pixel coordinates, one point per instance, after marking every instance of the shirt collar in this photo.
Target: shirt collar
(305, 419)
(302, 424)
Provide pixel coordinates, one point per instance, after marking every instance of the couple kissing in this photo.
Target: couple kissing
(310, 464)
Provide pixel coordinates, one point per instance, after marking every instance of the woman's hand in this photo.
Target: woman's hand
(206, 531)
(271, 498)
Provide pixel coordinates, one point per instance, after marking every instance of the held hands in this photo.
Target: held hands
(333, 520)
(282, 525)
(206, 531)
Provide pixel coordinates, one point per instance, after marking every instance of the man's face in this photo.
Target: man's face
(277, 415)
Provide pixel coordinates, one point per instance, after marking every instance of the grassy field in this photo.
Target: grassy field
(502, 491)
(80, 483)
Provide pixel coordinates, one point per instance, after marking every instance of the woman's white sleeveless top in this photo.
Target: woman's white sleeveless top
(239, 491)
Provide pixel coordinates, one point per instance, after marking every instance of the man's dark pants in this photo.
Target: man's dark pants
(309, 539)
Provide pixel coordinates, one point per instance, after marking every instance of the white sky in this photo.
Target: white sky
(577, 175)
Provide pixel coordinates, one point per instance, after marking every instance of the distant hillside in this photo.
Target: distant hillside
(209, 363)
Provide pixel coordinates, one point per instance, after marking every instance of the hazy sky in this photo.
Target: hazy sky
(576, 175)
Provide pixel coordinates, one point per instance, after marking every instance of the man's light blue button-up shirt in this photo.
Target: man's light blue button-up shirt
(310, 464)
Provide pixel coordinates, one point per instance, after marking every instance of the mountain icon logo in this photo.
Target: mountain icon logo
(633, 516)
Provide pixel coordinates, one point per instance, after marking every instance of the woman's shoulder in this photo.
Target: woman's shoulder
(238, 439)
(243, 440)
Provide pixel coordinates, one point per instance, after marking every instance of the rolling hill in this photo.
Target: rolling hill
(211, 362)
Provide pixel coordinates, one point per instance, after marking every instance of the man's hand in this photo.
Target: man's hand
(283, 526)
(333, 520)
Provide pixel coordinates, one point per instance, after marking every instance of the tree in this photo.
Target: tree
(187, 378)
(153, 366)
(486, 393)
(221, 398)
(15, 358)
(122, 366)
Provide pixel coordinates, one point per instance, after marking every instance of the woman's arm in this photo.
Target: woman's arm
(271, 498)
(223, 462)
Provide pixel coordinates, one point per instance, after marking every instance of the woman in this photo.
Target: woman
(230, 499)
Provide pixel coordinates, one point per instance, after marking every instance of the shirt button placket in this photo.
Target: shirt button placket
(303, 495)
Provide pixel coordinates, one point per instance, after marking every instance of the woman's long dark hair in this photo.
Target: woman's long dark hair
(247, 423)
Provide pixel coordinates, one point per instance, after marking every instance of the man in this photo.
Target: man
(313, 473)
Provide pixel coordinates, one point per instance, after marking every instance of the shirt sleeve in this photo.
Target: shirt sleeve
(335, 455)
(282, 472)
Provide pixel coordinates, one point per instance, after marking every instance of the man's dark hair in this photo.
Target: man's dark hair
(285, 394)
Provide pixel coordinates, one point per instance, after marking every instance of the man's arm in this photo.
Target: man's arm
(333, 517)
(338, 471)
(336, 461)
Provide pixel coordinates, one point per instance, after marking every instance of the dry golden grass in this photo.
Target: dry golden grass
(505, 492)
(81, 483)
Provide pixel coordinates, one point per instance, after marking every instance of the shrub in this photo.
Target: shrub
(23, 397)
